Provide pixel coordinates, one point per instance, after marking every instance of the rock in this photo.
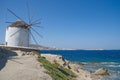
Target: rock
(102, 72)
(54, 58)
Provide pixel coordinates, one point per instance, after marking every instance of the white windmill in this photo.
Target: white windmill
(19, 32)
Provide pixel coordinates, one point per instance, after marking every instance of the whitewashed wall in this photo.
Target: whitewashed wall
(17, 36)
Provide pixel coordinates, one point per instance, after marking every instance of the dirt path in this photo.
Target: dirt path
(23, 68)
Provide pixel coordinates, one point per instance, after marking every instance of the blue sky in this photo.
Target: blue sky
(81, 24)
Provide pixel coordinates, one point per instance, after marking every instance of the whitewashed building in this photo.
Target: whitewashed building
(17, 35)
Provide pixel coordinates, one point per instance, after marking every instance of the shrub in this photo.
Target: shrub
(56, 71)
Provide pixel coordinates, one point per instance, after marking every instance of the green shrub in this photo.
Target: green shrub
(56, 71)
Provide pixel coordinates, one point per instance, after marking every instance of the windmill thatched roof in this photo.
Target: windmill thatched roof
(18, 23)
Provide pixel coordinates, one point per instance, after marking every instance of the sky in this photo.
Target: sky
(76, 24)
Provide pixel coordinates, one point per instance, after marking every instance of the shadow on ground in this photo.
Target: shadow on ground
(4, 56)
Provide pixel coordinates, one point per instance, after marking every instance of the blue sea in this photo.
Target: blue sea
(93, 60)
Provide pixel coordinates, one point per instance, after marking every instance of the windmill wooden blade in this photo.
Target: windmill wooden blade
(36, 21)
(15, 32)
(36, 32)
(31, 18)
(33, 37)
(15, 15)
(39, 26)
(28, 12)
(9, 22)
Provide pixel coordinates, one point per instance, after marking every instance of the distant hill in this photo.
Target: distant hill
(42, 47)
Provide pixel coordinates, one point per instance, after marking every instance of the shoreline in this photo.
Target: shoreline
(78, 69)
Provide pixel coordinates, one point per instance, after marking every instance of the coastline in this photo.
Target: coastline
(81, 73)
(28, 61)
(92, 60)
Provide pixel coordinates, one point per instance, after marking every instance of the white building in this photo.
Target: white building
(17, 35)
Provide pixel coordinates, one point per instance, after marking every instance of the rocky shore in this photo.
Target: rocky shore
(22, 65)
(80, 73)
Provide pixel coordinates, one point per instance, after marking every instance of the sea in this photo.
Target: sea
(93, 60)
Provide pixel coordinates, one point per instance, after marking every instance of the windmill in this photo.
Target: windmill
(18, 33)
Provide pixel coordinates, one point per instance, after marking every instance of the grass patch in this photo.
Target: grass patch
(67, 72)
(56, 71)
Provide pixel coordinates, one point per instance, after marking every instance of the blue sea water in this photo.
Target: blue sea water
(93, 60)
(88, 55)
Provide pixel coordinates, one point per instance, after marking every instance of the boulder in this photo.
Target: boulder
(102, 72)
(54, 58)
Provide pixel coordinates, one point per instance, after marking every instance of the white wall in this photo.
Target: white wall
(17, 36)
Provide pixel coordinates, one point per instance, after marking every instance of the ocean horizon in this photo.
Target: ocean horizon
(93, 60)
